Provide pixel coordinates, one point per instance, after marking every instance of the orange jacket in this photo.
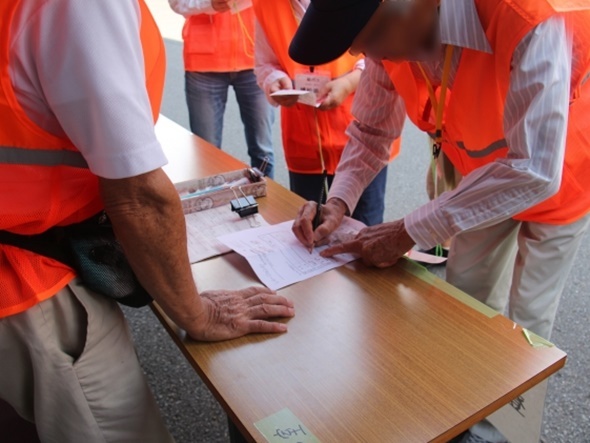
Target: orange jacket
(218, 43)
(44, 180)
(299, 130)
(473, 133)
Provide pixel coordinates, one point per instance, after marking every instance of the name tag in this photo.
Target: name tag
(313, 82)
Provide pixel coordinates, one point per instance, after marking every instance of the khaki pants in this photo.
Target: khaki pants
(68, 365)
(520, 267)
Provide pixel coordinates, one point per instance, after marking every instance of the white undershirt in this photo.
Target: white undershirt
(77, 69)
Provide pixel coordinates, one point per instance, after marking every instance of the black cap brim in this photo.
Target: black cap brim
(324, 35)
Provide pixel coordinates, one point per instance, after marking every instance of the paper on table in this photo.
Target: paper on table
(279, 259)
(203, 228)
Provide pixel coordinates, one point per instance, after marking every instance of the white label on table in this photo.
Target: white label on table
(285, 427)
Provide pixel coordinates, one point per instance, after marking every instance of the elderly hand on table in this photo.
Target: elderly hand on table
(232, 314)
(379, 246)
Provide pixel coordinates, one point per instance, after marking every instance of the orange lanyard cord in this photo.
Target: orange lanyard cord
(246, 37)
(439, 105)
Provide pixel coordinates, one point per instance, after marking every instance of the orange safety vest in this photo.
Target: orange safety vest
(44, 180)
(218, 43)
(473, 133)
(298, 122)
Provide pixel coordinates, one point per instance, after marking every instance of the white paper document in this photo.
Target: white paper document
(305, 97)
(203, 228)
(279, 259)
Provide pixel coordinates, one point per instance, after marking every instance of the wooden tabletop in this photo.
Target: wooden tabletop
(390, 355)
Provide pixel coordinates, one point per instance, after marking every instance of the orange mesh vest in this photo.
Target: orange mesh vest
(473, 133)
(44, 180)
(298, 123)
(217, 43)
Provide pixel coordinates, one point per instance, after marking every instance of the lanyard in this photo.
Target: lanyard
(439, 105)
(246, 37)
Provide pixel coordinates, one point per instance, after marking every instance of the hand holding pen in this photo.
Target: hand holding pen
(332, 214)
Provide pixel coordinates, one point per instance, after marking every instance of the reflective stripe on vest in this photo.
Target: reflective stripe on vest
(481, 153)
(41, 157)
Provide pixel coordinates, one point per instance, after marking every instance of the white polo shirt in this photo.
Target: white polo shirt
(77, 69)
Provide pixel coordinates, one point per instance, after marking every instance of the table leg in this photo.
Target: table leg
(235, 436)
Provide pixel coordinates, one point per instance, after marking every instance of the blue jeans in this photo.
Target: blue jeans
(206, 97)
(370, 207)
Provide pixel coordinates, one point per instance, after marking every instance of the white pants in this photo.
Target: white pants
(518, 266)
(68, 365)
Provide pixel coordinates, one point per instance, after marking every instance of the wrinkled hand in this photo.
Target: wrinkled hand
(335, 92)
(332, 214)
(221, 5)
(379, 246)
(279, 85)
(233, 314)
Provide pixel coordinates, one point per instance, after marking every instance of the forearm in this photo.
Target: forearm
(364, 156)
(266, 65)
(192, 7)
(479, 201)
(353, 78)
(148, 221)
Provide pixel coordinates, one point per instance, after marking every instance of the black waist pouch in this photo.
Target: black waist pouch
(91, 249)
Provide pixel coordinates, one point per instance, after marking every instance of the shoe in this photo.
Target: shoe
(468, 437)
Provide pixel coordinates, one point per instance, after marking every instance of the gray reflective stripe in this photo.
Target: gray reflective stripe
(497, 145)
(41, 157)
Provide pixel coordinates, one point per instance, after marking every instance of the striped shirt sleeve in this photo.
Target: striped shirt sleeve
(379, 118)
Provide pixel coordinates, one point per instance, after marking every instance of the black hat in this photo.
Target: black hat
(328, 29)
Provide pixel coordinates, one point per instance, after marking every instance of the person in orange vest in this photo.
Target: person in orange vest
(503, 89)
(77, 112)
(218, 53)
(313, 138)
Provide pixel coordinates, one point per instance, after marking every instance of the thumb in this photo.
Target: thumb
(285, 83)
(328, 226)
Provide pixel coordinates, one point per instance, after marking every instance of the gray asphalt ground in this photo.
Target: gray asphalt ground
(191, 412)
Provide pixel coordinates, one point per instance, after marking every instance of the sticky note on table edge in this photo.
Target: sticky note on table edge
(284, 426)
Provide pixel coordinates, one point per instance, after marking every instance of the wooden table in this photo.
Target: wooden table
(391, 355)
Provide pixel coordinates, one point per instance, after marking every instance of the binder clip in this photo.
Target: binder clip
(245, 206)
(257, 174)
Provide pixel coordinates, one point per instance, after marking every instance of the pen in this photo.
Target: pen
(210, 189)
(317, 219)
